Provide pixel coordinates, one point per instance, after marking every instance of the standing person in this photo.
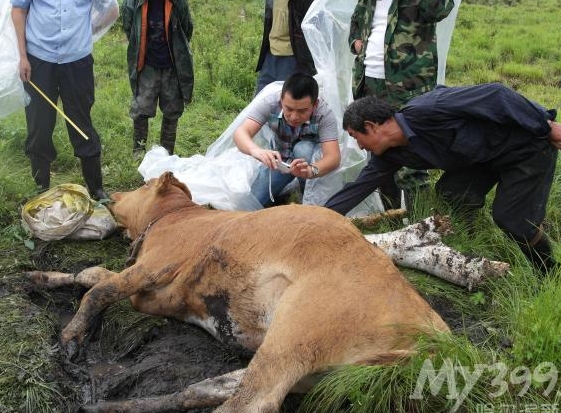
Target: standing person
(480, 136)
(283, 48)
(160, 65)
(55, 47)
(396, 59)
(300, 121)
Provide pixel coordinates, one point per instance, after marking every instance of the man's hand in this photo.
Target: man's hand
(301, 169)
(24, 69)
(357, 46)
(555, 134)
(266, 156)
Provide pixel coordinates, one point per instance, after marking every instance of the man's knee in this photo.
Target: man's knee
(304, 149)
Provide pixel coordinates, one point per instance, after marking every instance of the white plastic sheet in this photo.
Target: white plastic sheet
(103, 15)
(223, 181)
(215, 178)
(12, 95)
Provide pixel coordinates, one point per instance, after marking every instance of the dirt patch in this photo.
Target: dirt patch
(165, 359)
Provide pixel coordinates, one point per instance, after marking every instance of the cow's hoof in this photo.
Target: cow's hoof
(71, 350)
(37, 277)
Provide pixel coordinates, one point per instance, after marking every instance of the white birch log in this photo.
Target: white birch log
(419, 246)
(207, 393)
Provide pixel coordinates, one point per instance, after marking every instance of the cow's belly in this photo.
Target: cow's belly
(229, 332)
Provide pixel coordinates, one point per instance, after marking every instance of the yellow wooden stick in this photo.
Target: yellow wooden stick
(58, 110)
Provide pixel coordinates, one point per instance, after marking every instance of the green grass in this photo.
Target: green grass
(513, 320)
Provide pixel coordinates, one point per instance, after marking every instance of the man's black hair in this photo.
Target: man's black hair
(368, 108)
(301, 85)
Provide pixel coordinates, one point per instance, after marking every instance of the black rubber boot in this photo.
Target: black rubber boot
(541, 255)
(41, 172)
(91, 171)
(140, 136)
(168, 134)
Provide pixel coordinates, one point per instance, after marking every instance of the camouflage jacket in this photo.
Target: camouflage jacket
(296, 11)
(411, 61)
(179, 27)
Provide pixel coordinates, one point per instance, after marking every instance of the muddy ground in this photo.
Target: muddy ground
(165, 355)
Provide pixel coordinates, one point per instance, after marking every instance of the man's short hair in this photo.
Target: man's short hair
(368, 108)
(301, 85)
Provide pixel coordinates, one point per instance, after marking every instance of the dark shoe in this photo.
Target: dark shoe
(168, 134)
(41, 172)
(91, 171)
(541, 255)
(140, 136)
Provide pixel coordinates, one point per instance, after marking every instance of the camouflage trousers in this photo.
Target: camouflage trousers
(410, 180)
(157, 86)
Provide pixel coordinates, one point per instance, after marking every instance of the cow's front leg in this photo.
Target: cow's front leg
(86, 278)
(106, 292)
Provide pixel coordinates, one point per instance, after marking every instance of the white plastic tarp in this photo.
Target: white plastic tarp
(224, 175)
(12, 95)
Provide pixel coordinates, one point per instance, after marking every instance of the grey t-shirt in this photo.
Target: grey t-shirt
(322, 126)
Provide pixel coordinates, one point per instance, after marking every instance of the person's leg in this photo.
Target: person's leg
(143, 107)
(77, 92)
(466, 190)
(304, 150)
(521, 199)
(41, 118)
(275, 68)
(171, 105)
(269, 182)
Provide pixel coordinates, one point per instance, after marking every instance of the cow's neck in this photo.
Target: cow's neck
(139, 239)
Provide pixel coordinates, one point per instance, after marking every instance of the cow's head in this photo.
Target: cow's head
(134, 210)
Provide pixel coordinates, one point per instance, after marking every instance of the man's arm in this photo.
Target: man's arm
(127, 13)
(374, 175)
(187, 22)
(357, 22)
(19, 17)
(330, 159)
(243, 138)
(555, 134)
(431, 12)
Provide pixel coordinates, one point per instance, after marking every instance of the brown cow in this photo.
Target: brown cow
(298, 285)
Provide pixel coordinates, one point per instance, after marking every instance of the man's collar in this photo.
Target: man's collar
(407, 131)
(281, 117)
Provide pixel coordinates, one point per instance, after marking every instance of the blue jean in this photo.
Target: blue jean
(275, 68)
(278, 180)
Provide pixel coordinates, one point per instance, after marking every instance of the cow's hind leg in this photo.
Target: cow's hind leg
(267, 381)
(291, 350)
(52, 279)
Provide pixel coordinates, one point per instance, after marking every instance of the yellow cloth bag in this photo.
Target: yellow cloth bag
(67, 211)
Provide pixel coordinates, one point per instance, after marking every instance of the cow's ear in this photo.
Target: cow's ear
(167, 180)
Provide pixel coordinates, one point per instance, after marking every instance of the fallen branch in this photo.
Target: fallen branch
(371, 220)
(419, 246)
(207, 393)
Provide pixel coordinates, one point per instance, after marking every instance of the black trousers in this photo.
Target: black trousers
(523, 178)
(74, 84)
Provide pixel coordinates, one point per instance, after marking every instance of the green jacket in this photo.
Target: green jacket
(411, 61)
(179, 31)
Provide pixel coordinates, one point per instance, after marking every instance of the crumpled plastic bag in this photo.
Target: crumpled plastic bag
(224, 182)
(13, 97)
(103, 15)
(67, 211)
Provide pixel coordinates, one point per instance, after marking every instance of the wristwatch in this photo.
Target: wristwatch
(315, 170)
